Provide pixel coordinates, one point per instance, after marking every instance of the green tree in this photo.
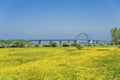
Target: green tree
(54, 44)
(115, 34)
(37, 45)
(65, 44)
(118, 43)
(101, 43)
(47, 45)
(79, 46)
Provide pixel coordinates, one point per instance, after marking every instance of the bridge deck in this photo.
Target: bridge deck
(55, 39)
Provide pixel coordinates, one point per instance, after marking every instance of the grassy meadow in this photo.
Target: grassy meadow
(60, 63)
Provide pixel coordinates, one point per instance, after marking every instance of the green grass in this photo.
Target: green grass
(91, 63)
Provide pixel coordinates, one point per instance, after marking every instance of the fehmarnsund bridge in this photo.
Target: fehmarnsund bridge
(82, 38)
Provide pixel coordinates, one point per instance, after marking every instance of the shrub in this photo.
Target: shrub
(73, 44)
(94, 44)
(112, 43)
(54, 44)
(101, 43)
(29, 45)
(7, 45)
(65, 44)
(118, 42)
(37, 45)
(18, 44)
(2, 45)
(46, 45)
(79, 46)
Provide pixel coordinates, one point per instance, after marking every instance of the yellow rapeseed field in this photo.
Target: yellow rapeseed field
(91, 63)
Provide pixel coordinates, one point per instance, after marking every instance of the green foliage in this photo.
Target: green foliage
(112, 43)
(65, 44)
(115, 34)
(118, 46)
(101, 43)
(95, 44)
(29, 45)
(17, 44)
(118, 43)
(79, 46)
(2, 45)
(37, 45)
(54, 44)
(73, 44)
(11, 41)
(47, 45)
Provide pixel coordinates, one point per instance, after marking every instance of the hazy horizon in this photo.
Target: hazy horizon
(50, 36)
(38, 19)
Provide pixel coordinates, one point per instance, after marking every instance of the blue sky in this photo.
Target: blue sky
(55, 18)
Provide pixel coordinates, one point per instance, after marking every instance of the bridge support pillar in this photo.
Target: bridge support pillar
(51, 41)
(97, 41)
(39, 42)
(68, 42)
(75, 41)
(60, 42)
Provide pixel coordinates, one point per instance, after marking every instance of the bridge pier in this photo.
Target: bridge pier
(60, 41)
(75, 41)
(39, 42)
(50, 41)
(90, 41)
(69, 42)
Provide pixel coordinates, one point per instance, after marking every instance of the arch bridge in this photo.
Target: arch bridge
(81, 38)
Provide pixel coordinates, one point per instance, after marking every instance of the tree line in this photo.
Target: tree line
(27, 43)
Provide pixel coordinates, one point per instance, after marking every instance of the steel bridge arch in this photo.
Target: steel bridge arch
(87, 38)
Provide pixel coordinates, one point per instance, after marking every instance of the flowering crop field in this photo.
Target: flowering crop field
(60, 63)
